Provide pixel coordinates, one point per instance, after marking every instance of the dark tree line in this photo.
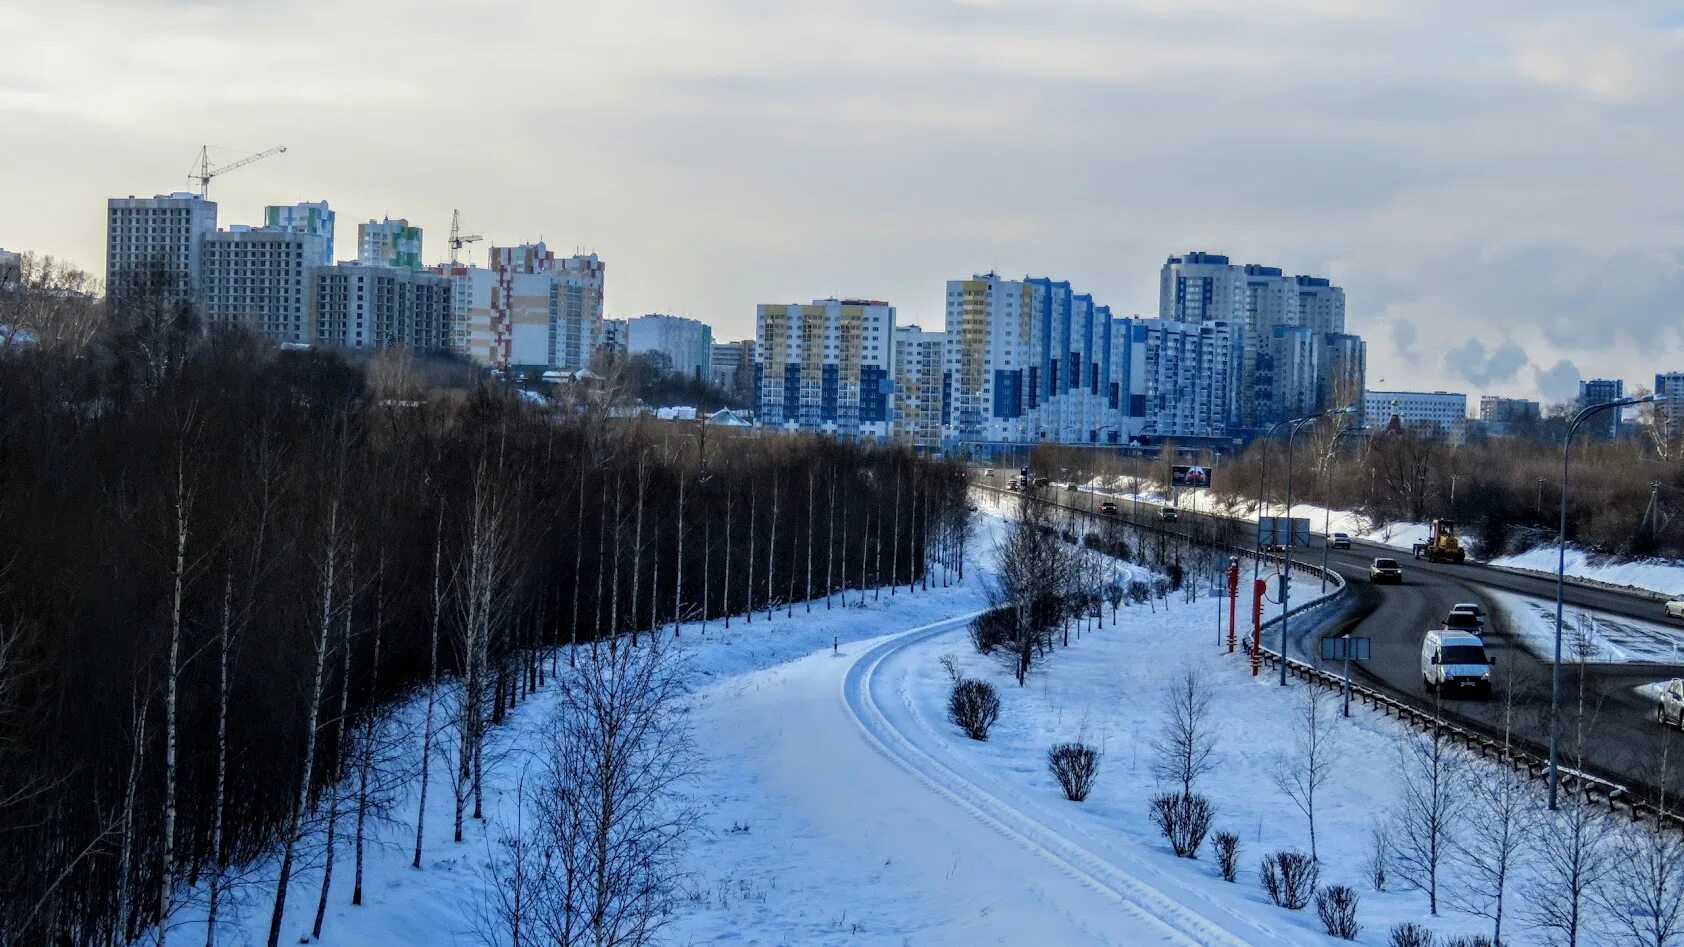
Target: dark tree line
(220, 563)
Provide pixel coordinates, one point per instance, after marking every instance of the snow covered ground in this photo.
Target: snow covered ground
(1599, 637)
(841, 807)
(1663, 576)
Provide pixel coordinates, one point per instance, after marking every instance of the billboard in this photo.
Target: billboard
(1275, 531)
(1182, 475)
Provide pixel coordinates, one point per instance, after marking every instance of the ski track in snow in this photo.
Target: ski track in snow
(1048, 838)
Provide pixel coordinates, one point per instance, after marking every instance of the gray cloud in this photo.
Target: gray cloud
(1559, 382)
(1470, 362)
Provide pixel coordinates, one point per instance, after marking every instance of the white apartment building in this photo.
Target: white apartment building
(159, 238)
(311, 218)
(1190, 378)
(920, 392)
(733, 364)
(1202, 287)
(527, 309)
(1439, 413)
(260, 279)
(355, 305)
(988, 354)
(825, 367)
(388, 242)
(687, 343)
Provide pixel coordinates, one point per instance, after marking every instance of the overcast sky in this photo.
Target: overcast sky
(1496, 184)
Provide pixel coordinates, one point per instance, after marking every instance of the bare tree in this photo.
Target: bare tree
(1033, 569)
(1495, 842)
(1313, 757)
(618, 750)
(1427, 809)
(1186, 747)
(336, 770)
(435, 618)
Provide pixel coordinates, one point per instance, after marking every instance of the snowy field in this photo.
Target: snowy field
(839, 806)
(1599, 638)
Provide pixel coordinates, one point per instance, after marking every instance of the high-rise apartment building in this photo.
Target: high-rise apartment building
(920, 391)
(1257, 300)
(354, 305)
(988, 356)
(1341, 371)
(1602, 391)
(1494, 410)
(1067, 380)
(388, 242)
(732, 366)
(1190, 377)
(1435, 413)
(158, 239)
(611, 337)
(260, 279)
(528, 309)
(825, 367)
(311, 218)
(1670, 386)
(687, 343)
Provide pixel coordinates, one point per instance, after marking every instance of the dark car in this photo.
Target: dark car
(1463, 621)
(1042, 482)
(1385, 570)
(1169, 513)
(1108, 508)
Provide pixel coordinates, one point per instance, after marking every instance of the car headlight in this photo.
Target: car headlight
(1486, 675)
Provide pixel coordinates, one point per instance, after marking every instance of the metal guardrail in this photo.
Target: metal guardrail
(1591, 789)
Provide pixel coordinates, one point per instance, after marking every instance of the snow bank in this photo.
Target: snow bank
(1662, 576)
(1597, 637)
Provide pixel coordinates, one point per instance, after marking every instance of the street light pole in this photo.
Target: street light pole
(1561, 577)
(1286, 558)
(1262, 492)
(1327, 511)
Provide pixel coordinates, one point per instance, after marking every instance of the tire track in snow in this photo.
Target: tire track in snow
(1179, 924)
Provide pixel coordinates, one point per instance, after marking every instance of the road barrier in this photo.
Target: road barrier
(1588, 787)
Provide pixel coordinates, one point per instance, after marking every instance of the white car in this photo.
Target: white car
(1455, 662)
(1675, 608)
(1669, 709)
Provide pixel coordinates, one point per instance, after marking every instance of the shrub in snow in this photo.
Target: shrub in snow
(1468, 940)
(1139, 592)
(1410, 934)
(993, 629)
(973, 707)
(1289, 879)
(1379, 854)
(1227, 854)
(1184, 818)
(1074, 765)
(1336, 905)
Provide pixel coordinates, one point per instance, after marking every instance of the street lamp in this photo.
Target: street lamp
(1327, 517)
(1286, 558)
(1561, 575)
(1538, 507)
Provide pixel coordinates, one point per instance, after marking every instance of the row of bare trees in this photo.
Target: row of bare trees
(221, 566)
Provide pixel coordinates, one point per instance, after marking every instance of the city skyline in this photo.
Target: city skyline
(1470, 264)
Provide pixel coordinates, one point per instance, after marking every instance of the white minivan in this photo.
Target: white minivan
(1455, 662)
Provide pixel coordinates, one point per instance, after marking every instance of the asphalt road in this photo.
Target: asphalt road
(1618, 739)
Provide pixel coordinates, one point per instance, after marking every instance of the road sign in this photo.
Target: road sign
(1182, 475)
(1279, 531)
(1344, 649)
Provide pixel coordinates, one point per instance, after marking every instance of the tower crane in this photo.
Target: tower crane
(457, 239)
(206, 172)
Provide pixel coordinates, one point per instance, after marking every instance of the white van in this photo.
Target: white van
(1455, 662)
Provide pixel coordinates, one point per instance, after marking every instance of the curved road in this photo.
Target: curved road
(1621, 738)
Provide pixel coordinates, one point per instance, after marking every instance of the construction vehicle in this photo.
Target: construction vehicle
(1442, 545)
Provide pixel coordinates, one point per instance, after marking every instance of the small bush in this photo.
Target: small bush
(973, 707)
(1336, 905)
(1289, 879)
(1139, 592)
(1227, 854)
(1075, 765)
(1184, 820)
(1379, 855)
(1410, 934)
(1468, 940)
(993, 629)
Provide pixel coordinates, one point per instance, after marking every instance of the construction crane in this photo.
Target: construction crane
(206, 172)
(457, 240)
